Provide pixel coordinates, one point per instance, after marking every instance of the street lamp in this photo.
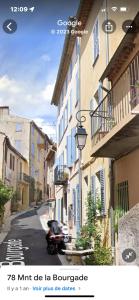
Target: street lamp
(80, 137)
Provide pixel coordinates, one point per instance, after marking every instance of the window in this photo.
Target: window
(71, 148)
(69, 161)
(13, 163)
(70, 104)
(122, 198)
(73, 145)
(18, 127)
(11, 160)
(39, 139)
(98, 191)
(97, 123)
(6, 151)
(66, 116)
(20, 168)
(96, 41)
(32, 129)
(32, 149)
(74, 204)
(18, 145)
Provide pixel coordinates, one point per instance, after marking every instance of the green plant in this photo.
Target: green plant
(100, 256)
(15, 199)
(5, 196)
(91, 232)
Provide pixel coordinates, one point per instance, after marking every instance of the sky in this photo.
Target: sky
(30, 57)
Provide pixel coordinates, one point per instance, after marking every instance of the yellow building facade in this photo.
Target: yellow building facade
(14, 172)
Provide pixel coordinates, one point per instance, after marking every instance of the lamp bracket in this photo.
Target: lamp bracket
(81, 118)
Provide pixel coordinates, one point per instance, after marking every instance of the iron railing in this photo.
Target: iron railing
(117, 104)
(60, 175)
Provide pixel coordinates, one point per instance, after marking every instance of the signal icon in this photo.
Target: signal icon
(32, 9)
(114, 8)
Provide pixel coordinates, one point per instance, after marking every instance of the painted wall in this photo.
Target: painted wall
(127, 168)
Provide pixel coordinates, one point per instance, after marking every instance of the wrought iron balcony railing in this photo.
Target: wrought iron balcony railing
(61, 175)
(118, 104)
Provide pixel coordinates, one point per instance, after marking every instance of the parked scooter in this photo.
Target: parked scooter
(55, 238)
(67, 237)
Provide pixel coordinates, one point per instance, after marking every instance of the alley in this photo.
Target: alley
(26, 232)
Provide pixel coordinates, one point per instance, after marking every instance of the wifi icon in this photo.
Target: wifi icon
(114, 8)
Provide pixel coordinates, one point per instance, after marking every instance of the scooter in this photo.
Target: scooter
(55, 238)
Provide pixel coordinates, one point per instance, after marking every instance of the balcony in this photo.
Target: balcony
(23, 178)
(115, 122)
(61, 175)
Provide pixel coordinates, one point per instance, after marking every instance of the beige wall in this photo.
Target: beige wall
(37, 159)
(8, 126)
(12, 177)
(127, 168)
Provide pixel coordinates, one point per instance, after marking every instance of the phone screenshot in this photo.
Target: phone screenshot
(69, 149)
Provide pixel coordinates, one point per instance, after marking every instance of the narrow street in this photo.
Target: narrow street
(27, 232)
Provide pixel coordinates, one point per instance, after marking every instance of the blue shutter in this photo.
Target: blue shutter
(69, 163)
(103, 192)
(77, 88)
(96, 40)
(74, 205)
(78, 210)
(73, 145)
(101, 121)
(70, 104)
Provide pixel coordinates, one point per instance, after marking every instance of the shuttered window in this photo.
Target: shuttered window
(74, 205)
(71, 148)
(98, 190)
(66, 116)
(69, 162)
(73, 145)
(70, 104)
(95, 41)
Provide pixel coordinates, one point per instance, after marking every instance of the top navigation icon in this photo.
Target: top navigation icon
(109, 26)
(9, 26)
